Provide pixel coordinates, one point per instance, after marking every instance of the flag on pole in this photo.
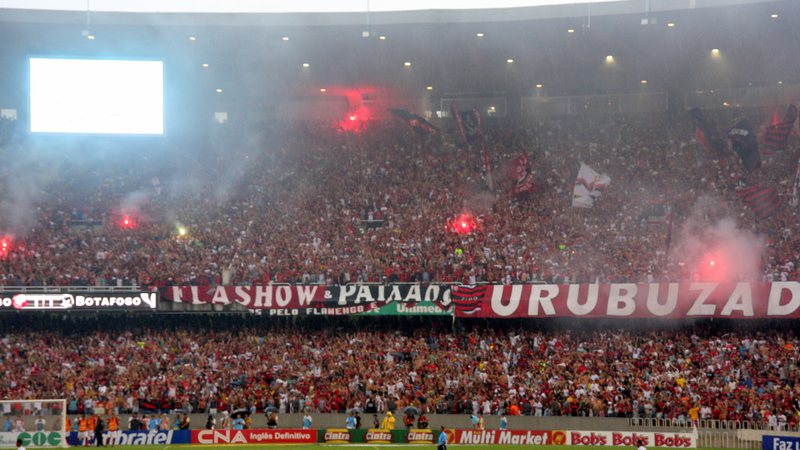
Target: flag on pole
(707, 134)
(745, 144)
(776, 136)
(763, 200)
(416, 122)
(588, 185)
(521, 175)
(469, 125)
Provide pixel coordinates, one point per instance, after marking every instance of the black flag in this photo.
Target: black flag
(707, 134)
(745, 144)
(418, 123)
(468, 123)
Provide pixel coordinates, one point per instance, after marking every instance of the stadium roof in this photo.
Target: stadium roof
(341, 12)
(256, 58)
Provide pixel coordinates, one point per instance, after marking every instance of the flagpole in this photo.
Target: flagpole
(487, 168)
(795, 199)
(669, 241)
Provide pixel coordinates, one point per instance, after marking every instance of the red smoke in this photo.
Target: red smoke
(462, 224)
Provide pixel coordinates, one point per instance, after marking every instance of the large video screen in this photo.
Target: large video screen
(96, 96)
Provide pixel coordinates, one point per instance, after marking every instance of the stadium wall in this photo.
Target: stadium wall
(568, 429)
(435, 421)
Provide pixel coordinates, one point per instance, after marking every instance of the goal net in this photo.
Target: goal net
(38, 423)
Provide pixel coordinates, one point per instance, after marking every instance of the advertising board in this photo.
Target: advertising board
(503, 437)
(128, 437)
(32, 439)
(337, 436)
(280, 436)
(420, 437)
(94, 301)
(629, 439)
(769, 442)
(375, 436)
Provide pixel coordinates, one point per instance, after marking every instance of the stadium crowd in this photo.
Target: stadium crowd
(315, 205)
(687, 373)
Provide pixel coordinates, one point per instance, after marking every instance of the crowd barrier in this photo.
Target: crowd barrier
(722, 439)
(711, 424)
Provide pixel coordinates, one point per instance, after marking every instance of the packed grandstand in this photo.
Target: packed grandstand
(312, 201)
(449, 263)
(326, 207)
(201, 365)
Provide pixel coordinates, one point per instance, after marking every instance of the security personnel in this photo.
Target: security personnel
(83, 435)
(113, 430)
(388, 421)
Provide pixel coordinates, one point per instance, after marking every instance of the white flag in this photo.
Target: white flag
(588, 185)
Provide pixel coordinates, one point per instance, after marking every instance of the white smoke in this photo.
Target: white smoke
(133, 202)
(480, 203)
(25, 177)
(713, 248)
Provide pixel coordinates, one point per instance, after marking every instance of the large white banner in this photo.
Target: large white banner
(588, 185)
(628, 300)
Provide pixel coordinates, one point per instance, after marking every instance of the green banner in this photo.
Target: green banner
(32, 439)
(341, 436)
(406, 309)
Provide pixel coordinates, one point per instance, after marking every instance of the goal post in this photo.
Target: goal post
(39, 423)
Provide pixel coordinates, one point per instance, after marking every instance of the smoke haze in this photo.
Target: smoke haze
(712, 246)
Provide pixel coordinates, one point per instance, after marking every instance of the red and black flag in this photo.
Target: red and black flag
(745, 144)
(763, 200)
(521, 174)
(469, 298)
(472, 124)
(148, 405)
(777, 135)
(469, 123)
(456, 113)
(707, 134)
(417, 122)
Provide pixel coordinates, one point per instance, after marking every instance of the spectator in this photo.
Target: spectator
(272, 420)
(388, 421)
